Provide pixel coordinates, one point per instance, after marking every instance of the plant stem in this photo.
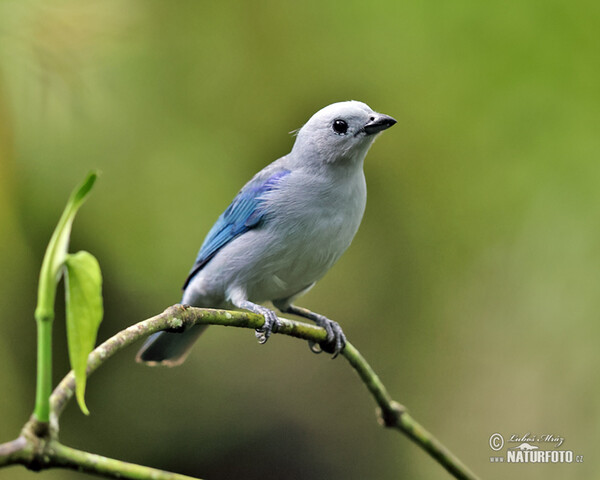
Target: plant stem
(392, 414)
(44, 369)
(40, 449)
(50, 273)
(67, 457)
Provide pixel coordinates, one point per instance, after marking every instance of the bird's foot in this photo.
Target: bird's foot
(272, 324)
(336, 340)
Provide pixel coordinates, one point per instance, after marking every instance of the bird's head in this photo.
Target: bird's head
(341, 131)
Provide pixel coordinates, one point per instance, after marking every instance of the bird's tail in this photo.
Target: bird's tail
(167, 348)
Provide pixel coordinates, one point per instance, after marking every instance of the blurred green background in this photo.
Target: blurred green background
(472, 286)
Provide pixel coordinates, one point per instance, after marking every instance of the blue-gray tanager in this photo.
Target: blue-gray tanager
(284, 230)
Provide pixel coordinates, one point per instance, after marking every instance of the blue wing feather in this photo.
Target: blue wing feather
(244, 213)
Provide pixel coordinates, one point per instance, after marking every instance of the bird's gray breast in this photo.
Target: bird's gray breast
(314, 220)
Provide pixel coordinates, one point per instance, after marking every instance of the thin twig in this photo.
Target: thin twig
(392, 413)
(51, 453)
(177, 317)
(174, 317)
(13, 452)
(72, 459)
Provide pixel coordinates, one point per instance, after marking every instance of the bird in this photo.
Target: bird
(283, 231)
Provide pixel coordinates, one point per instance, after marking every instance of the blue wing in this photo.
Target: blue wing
(245, 212)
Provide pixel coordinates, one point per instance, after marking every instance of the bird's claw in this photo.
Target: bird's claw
(271, 325)
(336, 340)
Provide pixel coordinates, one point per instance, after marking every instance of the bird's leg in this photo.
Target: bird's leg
(272, 322)
(336, 340)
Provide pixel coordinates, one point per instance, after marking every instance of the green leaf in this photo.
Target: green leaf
(83, 282)
(57, 250)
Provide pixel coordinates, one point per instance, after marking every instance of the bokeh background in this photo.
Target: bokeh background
(472, 286)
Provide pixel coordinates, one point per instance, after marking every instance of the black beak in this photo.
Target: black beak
(377, 123)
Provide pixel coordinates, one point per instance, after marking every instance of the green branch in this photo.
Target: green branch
(44, 368)
(175, 317)
(392, 414)
(73, 459)
(39, 453)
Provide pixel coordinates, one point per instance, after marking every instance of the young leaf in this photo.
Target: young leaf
(83, 282)
(57, 250)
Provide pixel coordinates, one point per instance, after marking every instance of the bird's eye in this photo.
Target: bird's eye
(340, 127)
